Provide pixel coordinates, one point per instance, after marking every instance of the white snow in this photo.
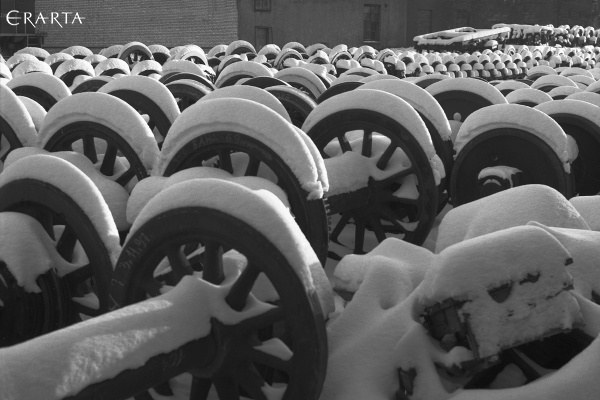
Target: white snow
(252, 207)
(49, 83)
(29, 66)
(24, 261)
(36, 111)
(505, 209)
(146, 65)
(590, 97)
(74, 65)
(14, 112)
(528, 95)
(501, 171)
(519, 117)
(483, 89)
(419, 98)
(182, 66)
(249, 93)
(109, 111)
(148, 87)
(112, 63)
(242, 68)
(75, 184)
(511, 85)
(589, 208)
(303, 77)
(240, 116)
(563, 91)
(552, 80)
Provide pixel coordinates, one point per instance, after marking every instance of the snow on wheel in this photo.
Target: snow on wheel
(381, 166)
(106, 130)
(147, 96)
(92, 85)
(187, 92)
(303, 79)
(338, 88)
(16, 125)
(426, 80)
(178, 75)
(464, 96)
(433, 117)
(581, 121)
(509, 145)
(265, 145)
(264, 82)
(234, 245)
(296, 102)
(528, 97)
(241, 69)
(71, 69)
(59, 248)
(45, 89)
(134, 52)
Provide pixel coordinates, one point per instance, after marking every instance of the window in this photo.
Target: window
(262, 36)
(262, 5)
(372, 21)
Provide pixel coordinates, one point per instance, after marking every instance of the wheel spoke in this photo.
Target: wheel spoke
(200, 388)
(344, 144)
(66, 243)
(151, 286)
(389, 197)
(367, 144)
(252, 168)
(126, 177)
(250, 380)
(359, 235)
(391, 217)
(270, 360)
(396, 177)
(79, 275)
(227, 388)
(89, 149)
(179, 262)
(86, 310)
(339, 227)
(225, 161)
(108, 162)
(375, 224)
(213, 263)
(263, 320)
(386, 156)
(241, 288)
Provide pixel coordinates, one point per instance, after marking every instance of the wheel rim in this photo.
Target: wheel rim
(57, 306)
(309, 215)
(8, 139)
(39, 95)
(238, 368)
(297, 103)
(91, 133)
(383, 213)
(511, 147)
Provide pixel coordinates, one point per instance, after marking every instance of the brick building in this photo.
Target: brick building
(380, 23)
(108, 22)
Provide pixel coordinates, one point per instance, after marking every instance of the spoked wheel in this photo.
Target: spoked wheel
(177, 76)
(91, 85)
(63, 300)
(187, 92)
(515, 148)
(242, 155)
(41, 96)
(337, 89)
(402, 201)
(237, 360)
(133, 53)
(100, 145)
(297, 103)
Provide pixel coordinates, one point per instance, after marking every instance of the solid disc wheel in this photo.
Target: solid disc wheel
(93, 137)
(184, 241)
(8, 139)
(80, 294)
(256, 157)
(297, 103)
(510, 147)
(404, 204)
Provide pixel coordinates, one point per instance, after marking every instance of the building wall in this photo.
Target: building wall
(167, 22)
(330, 22)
